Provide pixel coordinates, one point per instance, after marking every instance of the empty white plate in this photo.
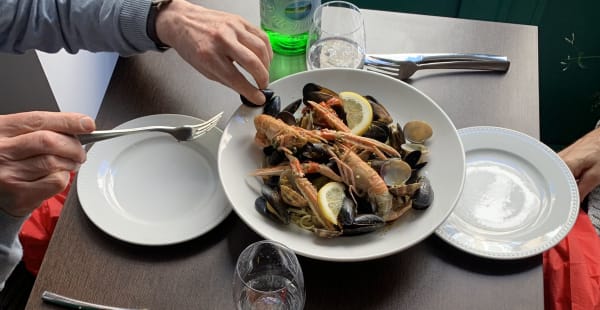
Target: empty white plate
(150, 189)
(519, 197)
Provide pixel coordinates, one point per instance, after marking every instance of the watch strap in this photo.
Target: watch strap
(155, 7)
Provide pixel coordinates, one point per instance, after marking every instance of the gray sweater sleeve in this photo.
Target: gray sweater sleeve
(10, 248)
(94, 25)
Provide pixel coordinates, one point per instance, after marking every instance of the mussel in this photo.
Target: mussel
(364, 223)
(316, 93)
(271, 205)
(268, 95)
(424, 196)
(273, 106)
(380, 113)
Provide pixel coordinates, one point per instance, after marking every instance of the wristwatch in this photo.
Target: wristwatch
(155, 7)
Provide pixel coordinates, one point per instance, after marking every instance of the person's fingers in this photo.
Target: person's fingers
(37, 167)
(587, 183)
(232, 78)
(21, 123)
(21, 198)
(39, 143)
(266, 44)
(256, 46)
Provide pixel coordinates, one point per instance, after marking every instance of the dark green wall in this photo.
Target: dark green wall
(569, 99)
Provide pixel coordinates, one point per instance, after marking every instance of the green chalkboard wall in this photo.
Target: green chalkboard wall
(569, 69)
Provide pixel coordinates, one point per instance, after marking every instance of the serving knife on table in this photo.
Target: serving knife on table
(403, 66)
(72, 303)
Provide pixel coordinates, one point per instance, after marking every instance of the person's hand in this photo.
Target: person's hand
(211, 41)
(583, 158)
(37, 152)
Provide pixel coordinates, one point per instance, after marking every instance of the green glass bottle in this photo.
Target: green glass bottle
(287, 23)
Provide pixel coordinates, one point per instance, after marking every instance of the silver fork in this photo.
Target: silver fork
(181, 133)
(71, 303)
(403, 66)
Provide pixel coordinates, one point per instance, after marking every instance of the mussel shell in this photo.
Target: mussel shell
(287, 117)
(380, 113)
(263, 207)
(364, 223)
(347, 212)
(316, 93)
(314, 152)
(273, 106)
(423, 198)
(415, 155)
(396, 138)
(364, 206)
(273, 156)
(378, 131)
(293, 107)
(275, 204)
(268, 95)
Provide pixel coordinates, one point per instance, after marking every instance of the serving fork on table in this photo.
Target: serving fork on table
(403, 66)
(181, 133)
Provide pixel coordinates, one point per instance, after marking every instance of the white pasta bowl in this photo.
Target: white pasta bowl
(238, 156)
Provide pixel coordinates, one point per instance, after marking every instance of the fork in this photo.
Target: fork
(71, 303)
(181, 133)
(403, 69)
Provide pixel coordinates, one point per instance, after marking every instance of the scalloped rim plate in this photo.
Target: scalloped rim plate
(149, 189)
(519, 197)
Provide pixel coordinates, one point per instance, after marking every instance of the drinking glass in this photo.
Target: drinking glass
(268, 276)
(336, 37)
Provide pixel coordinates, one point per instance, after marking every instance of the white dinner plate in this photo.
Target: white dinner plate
(519, 197)
(239, 156)
(149, 189)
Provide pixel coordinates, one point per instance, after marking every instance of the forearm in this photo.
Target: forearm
(10, 248)
(94, 25)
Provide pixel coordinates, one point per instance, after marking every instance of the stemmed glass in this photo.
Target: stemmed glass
(336, 37)
(268, 276)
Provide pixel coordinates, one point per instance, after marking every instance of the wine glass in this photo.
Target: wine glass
(337, 37)
(268, 276)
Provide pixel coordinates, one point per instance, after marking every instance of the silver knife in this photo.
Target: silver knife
(438, 57)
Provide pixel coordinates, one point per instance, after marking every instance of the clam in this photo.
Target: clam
(395, 171)
(417, 131)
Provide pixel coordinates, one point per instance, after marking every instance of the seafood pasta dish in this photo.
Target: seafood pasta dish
(337, 164)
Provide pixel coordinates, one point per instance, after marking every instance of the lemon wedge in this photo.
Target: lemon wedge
(359, 113)
(330, 199)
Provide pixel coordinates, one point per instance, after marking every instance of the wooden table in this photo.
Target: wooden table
(83, 262)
